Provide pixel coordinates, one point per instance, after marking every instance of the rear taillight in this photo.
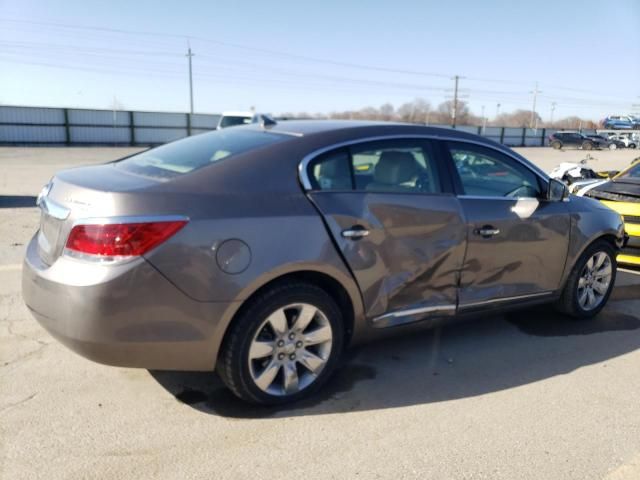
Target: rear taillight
(114, 241)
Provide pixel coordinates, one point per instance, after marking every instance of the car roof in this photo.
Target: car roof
(317, 134)
(362, 128)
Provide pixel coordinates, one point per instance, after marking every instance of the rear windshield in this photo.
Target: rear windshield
(189, 154)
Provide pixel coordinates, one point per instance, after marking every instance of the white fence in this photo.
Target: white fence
(70, 126)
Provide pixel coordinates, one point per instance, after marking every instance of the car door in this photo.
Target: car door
(517, 241)
(395, 219)
(574, 139)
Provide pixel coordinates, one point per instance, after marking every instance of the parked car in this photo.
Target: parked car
(622, 194)
(573, 173)
(234, 119)
(604, 142)
(575, 139)
(263, 250)
(620, 122)
(630, 140)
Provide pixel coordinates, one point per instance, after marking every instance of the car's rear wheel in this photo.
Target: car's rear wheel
(632, 145)
(556, 145)
(591, 281)
(284, 345)
(587, 146)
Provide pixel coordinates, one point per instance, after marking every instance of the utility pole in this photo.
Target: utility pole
(535, 98)
(189, 55)
(484, 120)
(455, 101)
(497, 110)
(553, 107)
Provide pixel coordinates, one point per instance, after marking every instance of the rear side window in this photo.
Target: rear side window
(331, 171)
(189, 154)
(394, 166)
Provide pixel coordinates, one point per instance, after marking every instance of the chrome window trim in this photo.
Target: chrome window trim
(481, 197)
(304, 163)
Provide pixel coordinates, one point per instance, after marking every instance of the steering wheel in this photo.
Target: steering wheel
(423, 182)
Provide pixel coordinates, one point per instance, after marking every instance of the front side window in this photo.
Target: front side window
(485, 172)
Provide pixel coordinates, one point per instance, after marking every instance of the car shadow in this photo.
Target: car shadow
(463, 360)
(17, 201)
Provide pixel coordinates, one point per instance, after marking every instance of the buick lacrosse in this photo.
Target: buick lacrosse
(263, 251)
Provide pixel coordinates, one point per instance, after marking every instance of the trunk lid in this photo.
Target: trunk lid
(85, 192)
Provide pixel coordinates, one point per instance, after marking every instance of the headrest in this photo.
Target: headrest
(396, 167)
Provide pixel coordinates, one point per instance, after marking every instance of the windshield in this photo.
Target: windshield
(231, 121)
(189, 154)
(633, 172)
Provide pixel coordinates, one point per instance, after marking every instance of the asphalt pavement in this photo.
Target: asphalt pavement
(530, 395)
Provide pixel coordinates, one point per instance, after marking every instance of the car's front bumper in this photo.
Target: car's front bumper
(630, 253)
(126, 315)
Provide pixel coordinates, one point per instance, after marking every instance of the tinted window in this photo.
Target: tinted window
(195, 152)
(487, 173)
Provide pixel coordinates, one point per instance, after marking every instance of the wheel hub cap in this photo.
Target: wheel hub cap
(290, 349)
(594, 281)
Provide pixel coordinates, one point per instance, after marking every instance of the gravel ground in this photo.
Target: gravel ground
(524, 396)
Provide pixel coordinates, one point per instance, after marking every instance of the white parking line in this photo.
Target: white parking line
(10, 268)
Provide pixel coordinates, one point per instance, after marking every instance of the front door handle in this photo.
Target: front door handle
(355, 233)
(487, 231)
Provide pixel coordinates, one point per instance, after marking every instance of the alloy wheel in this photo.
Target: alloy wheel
(594, 281)
(290, 349)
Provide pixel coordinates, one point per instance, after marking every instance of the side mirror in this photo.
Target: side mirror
(557, 191)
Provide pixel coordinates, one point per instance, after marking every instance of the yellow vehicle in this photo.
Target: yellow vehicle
(622, 194)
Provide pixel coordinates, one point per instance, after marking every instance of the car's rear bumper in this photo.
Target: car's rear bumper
(126, 315)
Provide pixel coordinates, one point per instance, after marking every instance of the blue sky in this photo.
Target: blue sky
(321, 56)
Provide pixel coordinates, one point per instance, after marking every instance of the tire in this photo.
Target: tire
(571, 300)
(263, 379)
(556, 145)
(613, 146)
(587, 146)
(632, 145)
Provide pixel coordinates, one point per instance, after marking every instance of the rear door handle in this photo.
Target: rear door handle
(487, 231)
(355, 233)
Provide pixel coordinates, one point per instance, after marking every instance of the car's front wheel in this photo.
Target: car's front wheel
(587, 146)
(556, 145)
(284, 345)
(591, 281)
(612, 146)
